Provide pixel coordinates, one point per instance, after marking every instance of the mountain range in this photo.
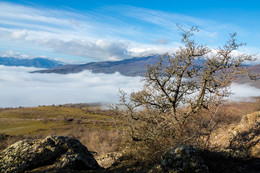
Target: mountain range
(34, 62)
(128, 67)
(134, 67)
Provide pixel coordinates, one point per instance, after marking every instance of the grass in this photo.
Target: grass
(41, 112)
(45, 117)
(22, 127)
(89, 126)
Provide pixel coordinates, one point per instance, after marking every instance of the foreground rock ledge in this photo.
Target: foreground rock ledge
(182, 158)
(54, 152)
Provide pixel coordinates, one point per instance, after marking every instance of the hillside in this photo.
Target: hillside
(127, 67)
(101, 132)
(35, 62)
(255, 69)
(134, 67)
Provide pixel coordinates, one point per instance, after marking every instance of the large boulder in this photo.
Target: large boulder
(54, 152)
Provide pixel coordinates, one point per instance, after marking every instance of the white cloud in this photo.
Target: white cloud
(160, 18)
(20, 88)
(139, 52)
(243, 92)
(13, 54)
(19, 14)
(99, 49)
(20, 34)
(18, 55)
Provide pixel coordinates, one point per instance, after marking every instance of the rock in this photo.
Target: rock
(246, 133)
(106, 160)
(56, 152)
(182, 158)
(157, 169)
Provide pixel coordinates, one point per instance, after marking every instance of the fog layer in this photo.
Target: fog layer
(18, 87)
(21, 88)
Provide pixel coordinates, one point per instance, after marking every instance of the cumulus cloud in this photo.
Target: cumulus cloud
(99, 49)
(21, 88)
(146, 51)
(16, 34)
(13, 54)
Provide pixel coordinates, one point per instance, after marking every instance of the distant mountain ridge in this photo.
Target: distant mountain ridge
(128, 67)
(134, 67)
(35, 62)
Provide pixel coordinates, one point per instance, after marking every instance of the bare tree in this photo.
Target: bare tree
(193, 79)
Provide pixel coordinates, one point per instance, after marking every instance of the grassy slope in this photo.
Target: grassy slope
(30, 120)
(87, 126)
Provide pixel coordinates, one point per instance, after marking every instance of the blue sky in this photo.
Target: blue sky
(88, 30)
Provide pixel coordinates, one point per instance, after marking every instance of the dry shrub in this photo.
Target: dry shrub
(7, 140)
(232, 112)
(153, 133)
(148, 138)
(226, 116)
(243, 141)
(3, 138)
(99, 140)
(102, 141)
(147, 153)
(199, 128)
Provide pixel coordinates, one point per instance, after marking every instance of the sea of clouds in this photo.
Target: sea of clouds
(19, 87)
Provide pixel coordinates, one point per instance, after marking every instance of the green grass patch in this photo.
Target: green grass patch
(98, 117)
(41, 112)
(45, 120)
(23, 127)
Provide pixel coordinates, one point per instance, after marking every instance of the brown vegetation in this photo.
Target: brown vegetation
(107, 137)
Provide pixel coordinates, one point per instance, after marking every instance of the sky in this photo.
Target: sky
(86, 30)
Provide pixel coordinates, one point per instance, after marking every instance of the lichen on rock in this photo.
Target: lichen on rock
(58, 152)
(182, 158)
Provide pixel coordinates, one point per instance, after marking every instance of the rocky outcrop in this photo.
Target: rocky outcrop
(182, 158)
(242, 136)
(53, 152)
(189, 159)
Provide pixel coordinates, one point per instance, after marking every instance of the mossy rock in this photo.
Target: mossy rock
(55, 152)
